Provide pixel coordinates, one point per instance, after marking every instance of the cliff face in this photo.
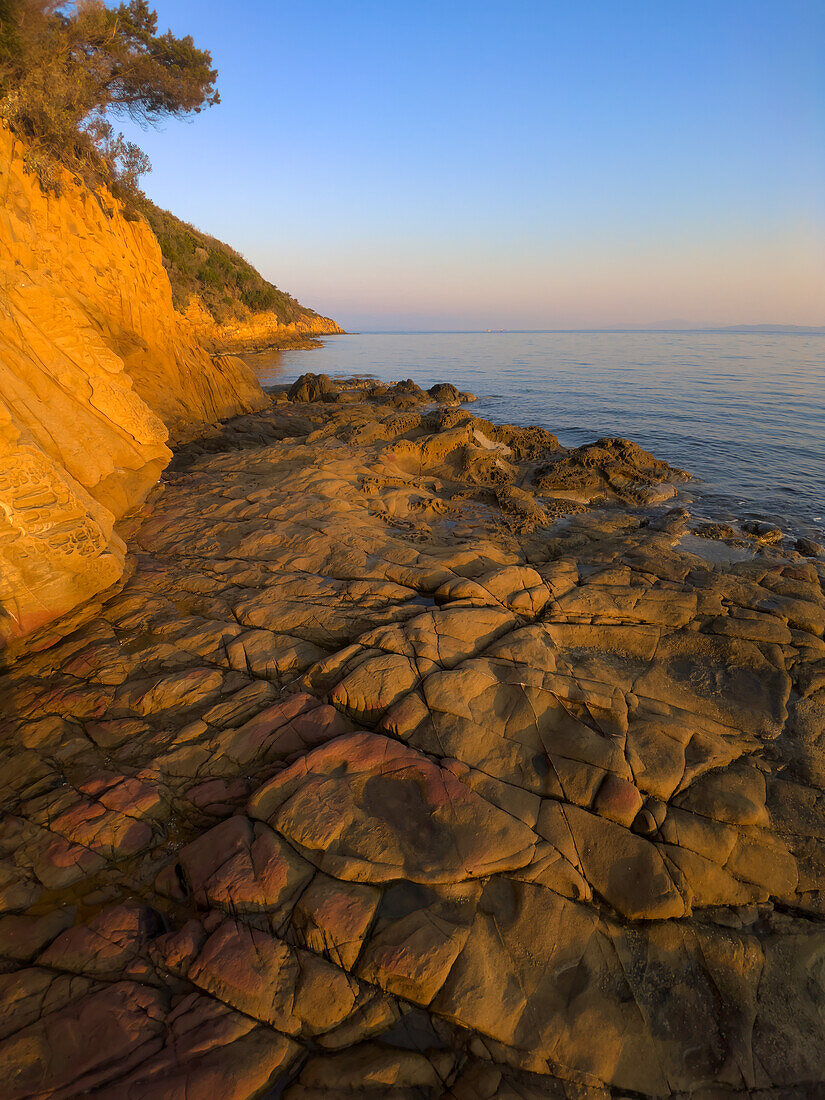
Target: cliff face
(97, 370)
(258, 331)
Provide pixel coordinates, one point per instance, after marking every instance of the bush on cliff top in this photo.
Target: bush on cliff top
(67, 68)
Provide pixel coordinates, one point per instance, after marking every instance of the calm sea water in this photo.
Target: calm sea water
(744, 413)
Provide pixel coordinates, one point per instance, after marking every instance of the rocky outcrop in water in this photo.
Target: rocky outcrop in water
(96, 370)
(384, 776)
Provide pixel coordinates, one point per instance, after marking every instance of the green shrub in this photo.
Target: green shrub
(66, 69)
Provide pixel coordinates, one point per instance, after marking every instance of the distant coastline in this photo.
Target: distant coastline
(734, 330)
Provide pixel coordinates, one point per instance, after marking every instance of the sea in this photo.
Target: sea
(743, 412)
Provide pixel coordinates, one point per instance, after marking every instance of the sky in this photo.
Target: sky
(517, 164)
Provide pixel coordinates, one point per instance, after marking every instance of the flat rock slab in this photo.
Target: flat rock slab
(366, 809)
(393, 770)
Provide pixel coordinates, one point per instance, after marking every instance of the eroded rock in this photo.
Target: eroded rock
(367, 809)
(376, 779)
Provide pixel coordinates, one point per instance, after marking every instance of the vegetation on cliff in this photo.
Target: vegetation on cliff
(68, 68)
(227, 286)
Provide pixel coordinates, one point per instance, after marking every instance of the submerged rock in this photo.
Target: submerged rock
(723, 531)
(763, 532)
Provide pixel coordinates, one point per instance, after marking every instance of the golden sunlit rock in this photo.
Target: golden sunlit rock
(97, 370)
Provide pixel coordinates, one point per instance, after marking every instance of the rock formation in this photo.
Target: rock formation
(259, 331)
(96, 370)
(390, 774)
(229, 305)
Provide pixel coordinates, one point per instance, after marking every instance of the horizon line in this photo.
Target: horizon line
(801, 330)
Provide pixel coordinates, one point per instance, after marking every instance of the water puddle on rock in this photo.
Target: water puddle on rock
(714, 551)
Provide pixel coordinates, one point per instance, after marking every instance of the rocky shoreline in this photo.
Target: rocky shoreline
(418, 756)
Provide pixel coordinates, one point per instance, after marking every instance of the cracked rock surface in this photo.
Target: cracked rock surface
(417, 757)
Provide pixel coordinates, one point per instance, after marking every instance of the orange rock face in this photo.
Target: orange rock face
(258, 331)
(96, 371)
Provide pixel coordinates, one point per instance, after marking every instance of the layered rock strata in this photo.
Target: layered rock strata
(257, 332)
(390, 773)
(96, 370)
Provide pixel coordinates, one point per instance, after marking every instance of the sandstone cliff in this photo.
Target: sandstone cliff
(97, 369)
(255, 332)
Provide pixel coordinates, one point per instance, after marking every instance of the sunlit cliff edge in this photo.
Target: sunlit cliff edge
(230, 305)
(255, 332)
(97, 372)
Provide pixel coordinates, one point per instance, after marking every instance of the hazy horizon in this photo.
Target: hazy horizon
(526, 167)
(686, 327)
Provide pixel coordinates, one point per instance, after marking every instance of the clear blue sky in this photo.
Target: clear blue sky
(530, 164)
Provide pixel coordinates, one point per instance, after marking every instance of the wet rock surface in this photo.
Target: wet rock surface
(389, 772)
